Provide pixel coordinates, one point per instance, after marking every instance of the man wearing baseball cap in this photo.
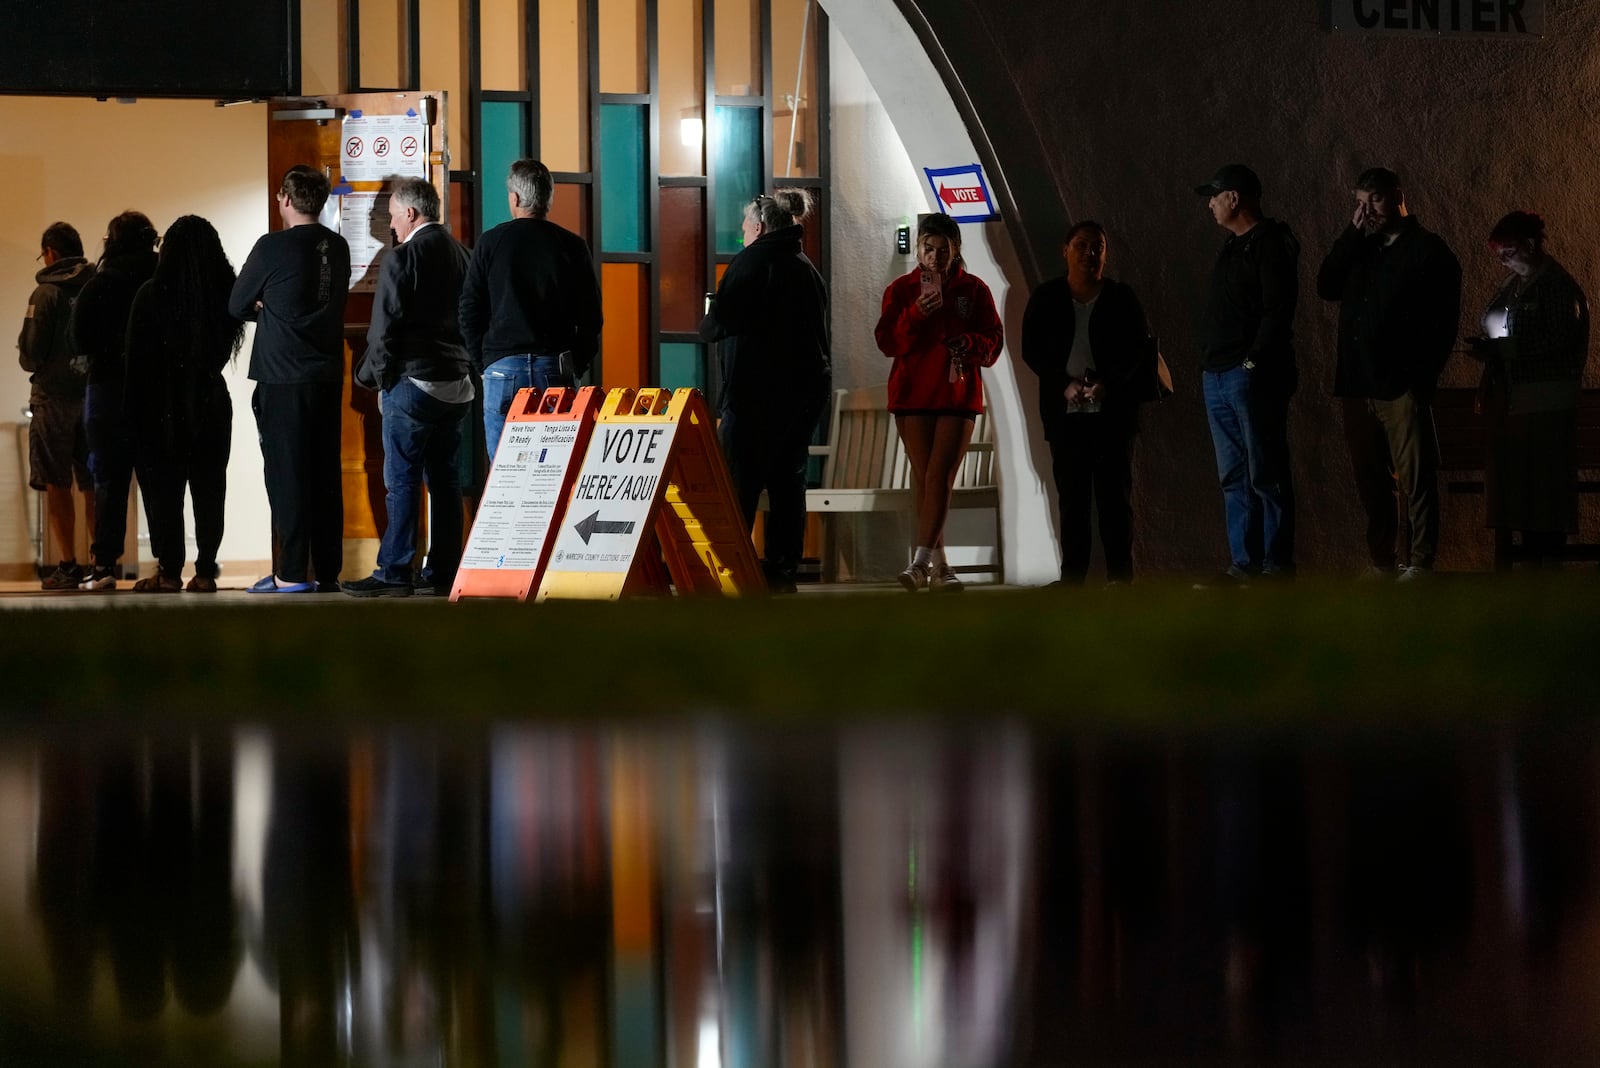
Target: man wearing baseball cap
(1248, 375)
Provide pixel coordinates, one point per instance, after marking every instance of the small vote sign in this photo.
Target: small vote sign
(962, 193)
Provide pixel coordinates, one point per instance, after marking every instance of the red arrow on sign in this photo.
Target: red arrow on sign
(961, 194)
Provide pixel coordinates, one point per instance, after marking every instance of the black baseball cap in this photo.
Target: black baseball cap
(1235, 176)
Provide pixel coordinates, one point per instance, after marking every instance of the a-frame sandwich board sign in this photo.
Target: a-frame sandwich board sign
(653, 481)
(545, 437)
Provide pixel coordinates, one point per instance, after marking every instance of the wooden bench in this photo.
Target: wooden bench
(865, 469)
(1464, 449)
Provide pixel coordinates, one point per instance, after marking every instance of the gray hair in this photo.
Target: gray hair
(531, 181)
(784, 207)
(416, 193)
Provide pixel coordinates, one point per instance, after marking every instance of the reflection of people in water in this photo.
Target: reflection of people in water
(135, 844)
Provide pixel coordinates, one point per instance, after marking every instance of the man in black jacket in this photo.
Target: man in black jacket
(1247, 360)
(530, 305)
(293, 285)
(58, 449)
(416, 358)
(1399, 292)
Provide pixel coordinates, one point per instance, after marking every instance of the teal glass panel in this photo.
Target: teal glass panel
(504, 126)
(683, 364)
(622, 178)
(736, 159)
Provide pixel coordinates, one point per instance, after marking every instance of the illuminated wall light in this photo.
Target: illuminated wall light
(691, 130)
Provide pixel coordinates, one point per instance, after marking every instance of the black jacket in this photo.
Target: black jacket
(1249, 311)
(1118, 333)
(100, 318)
(415, 331)
(1399, 310)
(301, 276)
(530, 288)
(770, 315)
(44, 348)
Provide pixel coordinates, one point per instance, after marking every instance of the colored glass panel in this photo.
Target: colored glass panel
(624, 344)
(624, 51)
(503, 36)
(738, 44)
(683, 363)
(794, 94)
(563, 85)
(682, 258)
(383, 44)
(505, 140)
(442, 69)
(736, 155)
(681, 86)
(622, 168)
(569, 207)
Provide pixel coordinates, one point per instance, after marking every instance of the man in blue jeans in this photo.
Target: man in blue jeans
(1248, 373)
(530, 306)
(415, 355)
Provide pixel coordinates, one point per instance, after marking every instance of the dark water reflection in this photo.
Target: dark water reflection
(894, 896)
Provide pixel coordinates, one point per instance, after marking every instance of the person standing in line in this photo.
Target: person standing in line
(1086, 338)
(939, 325)
(180, 416)
(530, 305)
(1398, 287)
(770, 318)
(1534, 346)
(418, 363)
(1249, 375)
(293, 285)
(99, 331)
(58, 447)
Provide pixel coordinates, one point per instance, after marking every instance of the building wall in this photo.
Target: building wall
(1114, 111)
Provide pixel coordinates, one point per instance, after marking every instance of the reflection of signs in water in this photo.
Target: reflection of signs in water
(380, 146)
(408, 147)
(353, 147)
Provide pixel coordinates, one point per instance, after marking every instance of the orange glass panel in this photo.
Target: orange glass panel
(680, 66)
(738, 43)
(623, 49)
(794, 93)
(502, 29)
(383, 44)
(624, 344)
(683, 258)
(722, 269)
(563, 85)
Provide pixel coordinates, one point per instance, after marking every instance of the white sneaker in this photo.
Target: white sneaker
(915, 577)
(943, 580)
(98, 581)
(1415, 574)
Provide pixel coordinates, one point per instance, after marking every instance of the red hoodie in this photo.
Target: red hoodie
(920, 377)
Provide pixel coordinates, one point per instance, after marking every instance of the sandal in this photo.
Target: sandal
(160, 582)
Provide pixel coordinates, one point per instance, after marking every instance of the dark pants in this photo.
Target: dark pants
(111, 465)
(200, 462)
(299, 427)
(421, 439)
(1393, 444)
(1092, 457)
(1249, 416)
(767, 446)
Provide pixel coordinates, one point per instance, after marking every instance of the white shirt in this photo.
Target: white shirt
(1081, 359)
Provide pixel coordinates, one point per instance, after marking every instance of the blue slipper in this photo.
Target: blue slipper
(270, 585)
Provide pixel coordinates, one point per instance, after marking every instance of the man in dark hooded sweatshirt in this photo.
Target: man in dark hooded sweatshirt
(770, 314)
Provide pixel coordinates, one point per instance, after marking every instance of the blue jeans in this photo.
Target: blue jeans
(503, 378)
(421, 437)
(1249, 418)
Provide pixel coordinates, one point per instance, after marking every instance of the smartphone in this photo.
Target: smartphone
(930, 283)
(567, 366)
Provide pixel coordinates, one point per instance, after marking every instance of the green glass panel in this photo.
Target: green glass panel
(505, 140)
(683, 363)
(622, 184)
(736, 156)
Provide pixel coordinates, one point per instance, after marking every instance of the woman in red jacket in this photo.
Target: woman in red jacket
(939, 325)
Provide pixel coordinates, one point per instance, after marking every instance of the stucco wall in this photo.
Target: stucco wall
(1114, 111)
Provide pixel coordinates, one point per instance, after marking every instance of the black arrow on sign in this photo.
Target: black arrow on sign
(593, 524)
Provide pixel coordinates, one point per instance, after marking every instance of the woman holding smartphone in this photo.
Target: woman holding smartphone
(939, 325)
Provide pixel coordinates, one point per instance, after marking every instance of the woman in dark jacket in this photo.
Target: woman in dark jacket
(770, 314)
(1086, 338)
(1535, 346)
(99, 325)
(180, 339)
